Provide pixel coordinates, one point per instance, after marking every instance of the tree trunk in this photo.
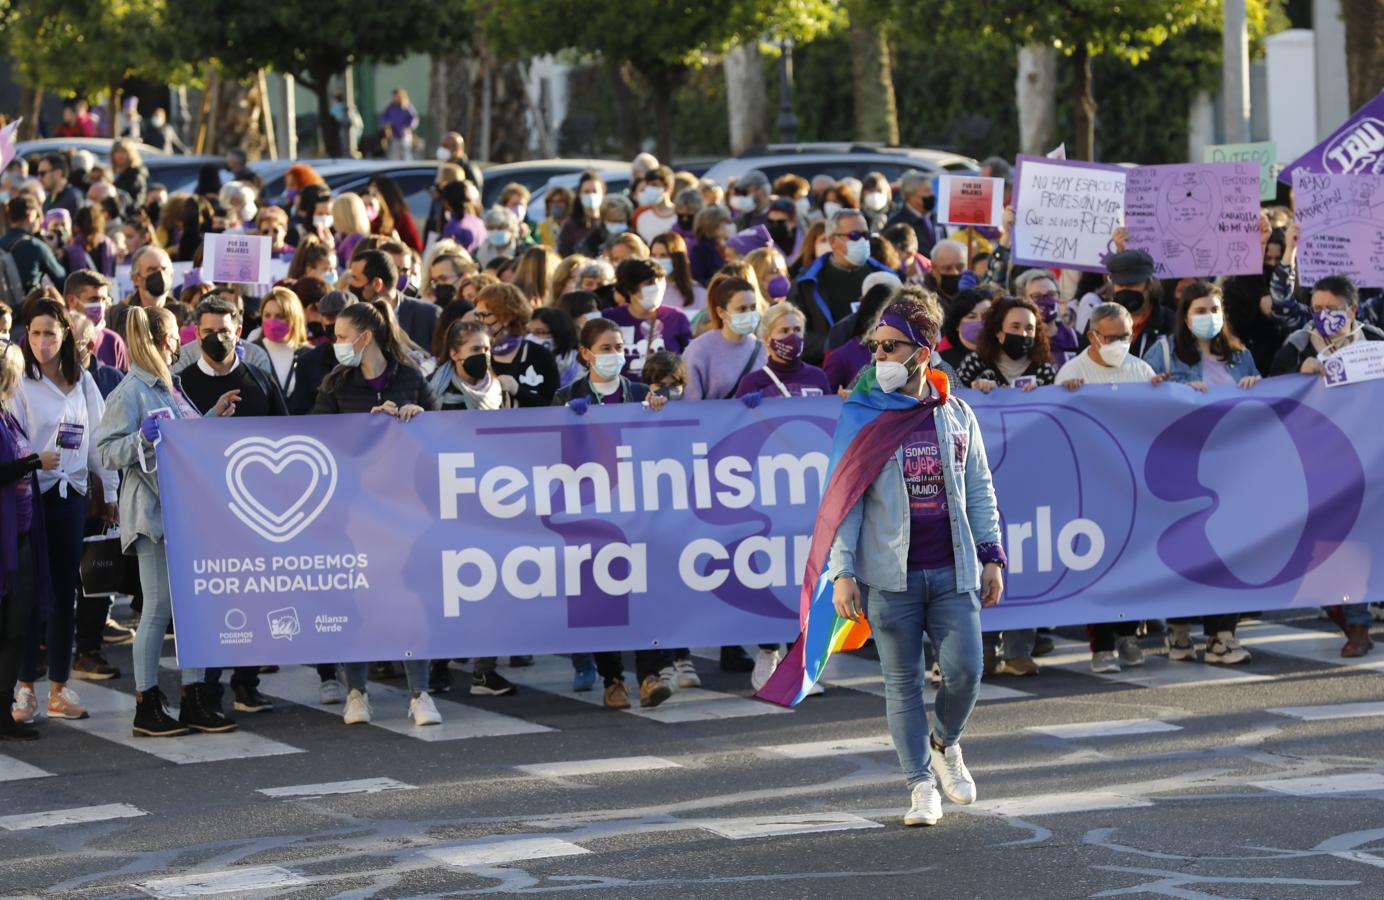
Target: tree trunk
(876, 116)
(1364, 49)
(328, 129)
(510, 108)
(1035, 93)
(1083, 105)
(30, 102)
(626, 119)
(437, 95)
(747, 97)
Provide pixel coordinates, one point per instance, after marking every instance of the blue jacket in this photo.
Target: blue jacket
(124, 449)
(1162, 358)
(872, 542)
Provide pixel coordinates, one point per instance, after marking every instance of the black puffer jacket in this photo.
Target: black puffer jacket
(345, 390)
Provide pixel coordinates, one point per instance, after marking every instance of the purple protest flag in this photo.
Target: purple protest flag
(1356, 148)
(7, 143)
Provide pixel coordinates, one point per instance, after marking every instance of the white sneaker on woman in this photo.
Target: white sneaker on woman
(357, 711)
(927, 805)
(764, 665)
(423, 711)
(952, 775)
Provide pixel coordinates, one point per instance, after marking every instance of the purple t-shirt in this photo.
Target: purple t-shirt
(929, 529)
(801, 380)
(845, 362)
(670, 331)
(379, 382)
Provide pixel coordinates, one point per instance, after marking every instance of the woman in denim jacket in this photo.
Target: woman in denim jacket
(925, 537)
(126, 440)
(1202, 353)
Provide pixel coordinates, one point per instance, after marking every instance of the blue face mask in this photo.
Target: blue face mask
(498, 238)
(858, 251)
(1205, 326)
(616, 227)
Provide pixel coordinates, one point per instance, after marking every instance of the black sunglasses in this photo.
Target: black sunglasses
(889, 345)
(854, 235)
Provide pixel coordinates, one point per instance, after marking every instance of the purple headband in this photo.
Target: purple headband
(902, 324)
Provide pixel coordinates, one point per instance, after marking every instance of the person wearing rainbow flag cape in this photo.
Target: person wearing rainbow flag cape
(910, 512)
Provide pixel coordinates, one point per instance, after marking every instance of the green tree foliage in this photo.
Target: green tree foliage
(315, 42)
(663, 40)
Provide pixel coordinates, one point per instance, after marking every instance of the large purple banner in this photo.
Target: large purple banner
(537, 531)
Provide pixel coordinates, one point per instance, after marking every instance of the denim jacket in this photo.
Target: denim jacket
(1162, 358)
(125, 450)
(872, 542)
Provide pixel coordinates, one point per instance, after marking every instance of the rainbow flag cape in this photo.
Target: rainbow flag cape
(872, 426)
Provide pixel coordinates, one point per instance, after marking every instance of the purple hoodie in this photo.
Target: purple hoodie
(400, 119)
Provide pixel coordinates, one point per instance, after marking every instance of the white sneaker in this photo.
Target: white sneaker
(1180, 646)
(669, 676)
(1131, 654)
(1104, 662)
(357, 711)
(1224, 650)
(927, 805)
(953, 777)
(423, 711)
(764, 665)
(687, 673)
(330, 692)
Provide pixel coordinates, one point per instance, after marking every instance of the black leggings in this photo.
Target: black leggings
(15, 610)
(611, 664)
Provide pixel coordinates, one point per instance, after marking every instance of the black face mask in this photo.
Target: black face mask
(949, 284)
(359, 291)
(444, 294)
(1130, 300)
(218, 346)
(685, 222)
(1017, 346)
(154, 284)
(316, 331)
(781, 232)
(1268, 271)
(475, 365)
(929, 204)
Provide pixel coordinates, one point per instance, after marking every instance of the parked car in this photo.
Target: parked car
(536, 173)
(840, 161)
(97, 147)
(617, 181)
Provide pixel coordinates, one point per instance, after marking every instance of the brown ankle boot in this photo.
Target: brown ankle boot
(1358, 641)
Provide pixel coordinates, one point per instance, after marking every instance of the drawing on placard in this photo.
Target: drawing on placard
(1191, 203)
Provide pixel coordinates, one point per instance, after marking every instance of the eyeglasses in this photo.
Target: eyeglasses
(889, 345)
(1114, 338)
(854, 235)
(42, 172)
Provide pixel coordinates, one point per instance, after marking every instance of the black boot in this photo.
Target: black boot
(151, 719)
(201, 712)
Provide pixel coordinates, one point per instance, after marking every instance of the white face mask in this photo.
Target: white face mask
(665, 264)
(648, 196)
(831, 208)
(742, 203)
(893, 375)
(608, 365)
(591, 201)
(745, 322)
(651, 295)
(875, 200)
(443, 154)
(804, 206)
(321, 221)
(1114, 354)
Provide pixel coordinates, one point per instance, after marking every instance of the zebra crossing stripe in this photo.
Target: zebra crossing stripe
(17, 770)
(77, 816)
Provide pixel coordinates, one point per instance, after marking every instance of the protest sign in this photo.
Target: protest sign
(970, 200)
(1355, 148)
(7, 142)
(1065, 212)
(1197, 220)
(1341, 218)
(236, 258)
(354, 537)
(1354, 363)
(1265, 153)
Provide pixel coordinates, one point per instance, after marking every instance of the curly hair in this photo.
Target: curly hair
(988, 346)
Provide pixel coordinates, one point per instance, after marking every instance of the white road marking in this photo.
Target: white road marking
(553, 674)
(112, 711)
(389, 709)
(1304, 643)
(815, 749)
(503, 850)
(777, 826)
(1353, 783)
(598, 766)
(77, 816)
(257, 878)
(1157, 670)
(1077, 731)
(1057, 804)
(1331, 711)
(359, 786)
(12, 769)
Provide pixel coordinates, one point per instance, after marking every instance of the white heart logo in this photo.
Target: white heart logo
(302, 454)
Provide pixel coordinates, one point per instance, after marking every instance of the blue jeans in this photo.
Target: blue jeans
(932, 604)
(1357, 613)
(155, 616)
(415, 670)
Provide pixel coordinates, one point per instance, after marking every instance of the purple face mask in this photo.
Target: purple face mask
(1330, 322)
(787, 348)
(970, 330)
(1048, 308)
(778, 286)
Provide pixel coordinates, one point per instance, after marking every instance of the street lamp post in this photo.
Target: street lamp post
(787, 122)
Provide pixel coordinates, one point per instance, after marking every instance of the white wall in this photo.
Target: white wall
(1292, 95)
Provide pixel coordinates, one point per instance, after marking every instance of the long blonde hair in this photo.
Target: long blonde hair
(292, 308)
(145, 330)
(11, 372)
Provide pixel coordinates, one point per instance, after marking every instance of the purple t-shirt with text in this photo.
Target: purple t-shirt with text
(929, 529)
(670, 331)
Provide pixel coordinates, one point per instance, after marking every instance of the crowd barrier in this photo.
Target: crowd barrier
(352, 538)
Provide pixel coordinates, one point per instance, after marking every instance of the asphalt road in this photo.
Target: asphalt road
(1173, 780)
